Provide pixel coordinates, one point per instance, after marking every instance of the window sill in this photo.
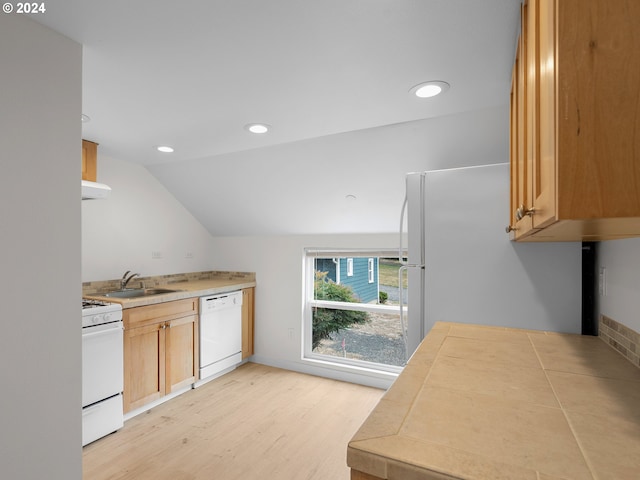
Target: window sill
(387, 372)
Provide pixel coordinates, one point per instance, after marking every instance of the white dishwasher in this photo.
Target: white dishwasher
(220, 333)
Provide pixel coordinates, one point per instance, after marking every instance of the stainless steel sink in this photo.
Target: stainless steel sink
(140, 292)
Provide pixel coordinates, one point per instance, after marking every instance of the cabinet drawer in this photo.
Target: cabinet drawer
(160, 312)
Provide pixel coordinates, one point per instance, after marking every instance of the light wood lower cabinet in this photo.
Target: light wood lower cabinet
(248, 295)
(160, 350)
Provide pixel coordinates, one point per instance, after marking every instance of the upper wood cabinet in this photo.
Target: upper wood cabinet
(89, 160)
(575, 134)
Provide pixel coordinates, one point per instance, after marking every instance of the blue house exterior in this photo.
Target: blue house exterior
(359, 273)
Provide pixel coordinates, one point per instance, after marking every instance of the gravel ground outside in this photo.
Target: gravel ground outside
(379, 340)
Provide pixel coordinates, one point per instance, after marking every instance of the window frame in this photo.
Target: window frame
(309, 303)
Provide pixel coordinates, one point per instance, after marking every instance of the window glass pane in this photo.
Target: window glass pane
(333, 282)
(388, 280)
(377, 339)
(372, 330)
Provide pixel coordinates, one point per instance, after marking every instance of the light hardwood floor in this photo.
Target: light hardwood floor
(256, 422)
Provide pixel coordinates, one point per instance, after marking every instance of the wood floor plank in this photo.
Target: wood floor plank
(256, 422)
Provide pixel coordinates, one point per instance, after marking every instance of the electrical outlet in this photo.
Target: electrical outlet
(291, 333)
(188, 255)
(156, 255)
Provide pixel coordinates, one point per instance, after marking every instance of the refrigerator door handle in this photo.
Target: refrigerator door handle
(403, 326)
(402, 215)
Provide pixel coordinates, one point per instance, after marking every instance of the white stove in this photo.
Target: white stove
(102, 369)
(97, 312)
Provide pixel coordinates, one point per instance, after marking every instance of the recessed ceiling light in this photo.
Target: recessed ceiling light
(257, 127)
(429, 89)
(165, 149)
(350, 198)
(85, 118)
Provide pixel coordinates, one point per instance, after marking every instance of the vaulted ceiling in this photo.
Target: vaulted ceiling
(330, 77)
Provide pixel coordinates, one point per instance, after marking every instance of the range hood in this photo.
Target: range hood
(94, 190)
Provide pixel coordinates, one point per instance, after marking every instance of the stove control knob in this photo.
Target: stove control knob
(97, 318)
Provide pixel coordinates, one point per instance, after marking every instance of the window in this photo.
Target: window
(357, 321)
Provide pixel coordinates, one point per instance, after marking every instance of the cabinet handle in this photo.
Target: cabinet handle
(522, 211)
(509, 229)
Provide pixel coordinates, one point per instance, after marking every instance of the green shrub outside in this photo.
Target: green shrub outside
(327, 321)
(383, 297)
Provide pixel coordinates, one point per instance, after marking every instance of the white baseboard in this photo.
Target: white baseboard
(344, 373)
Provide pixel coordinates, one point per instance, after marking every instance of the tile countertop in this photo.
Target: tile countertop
(188, 289)
(497, 403)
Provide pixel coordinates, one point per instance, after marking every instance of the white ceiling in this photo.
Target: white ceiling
(330, 77)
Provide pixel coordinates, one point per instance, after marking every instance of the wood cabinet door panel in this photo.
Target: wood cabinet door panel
(247, 321)
(513, 141)
(181, 361)
(544, 161)
(599, 80)
(522, 148)
(89, 160)
(144, 365)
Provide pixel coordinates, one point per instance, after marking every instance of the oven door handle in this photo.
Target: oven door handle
(92, 409)
(103, 332)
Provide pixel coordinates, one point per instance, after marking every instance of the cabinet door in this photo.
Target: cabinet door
(580, 137)
(513, 140)
(544, 159)
(247, 322)
(89, 160)
(144, 365)
(521, 128)
(181, 353)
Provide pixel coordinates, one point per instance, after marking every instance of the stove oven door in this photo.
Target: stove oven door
(102, 362)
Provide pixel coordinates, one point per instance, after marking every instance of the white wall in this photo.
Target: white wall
(621, 302)
(140, 216)
(40, 345)
(278, 263)
(475, 274)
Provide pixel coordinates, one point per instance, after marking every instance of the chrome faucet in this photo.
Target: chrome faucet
(126, 279)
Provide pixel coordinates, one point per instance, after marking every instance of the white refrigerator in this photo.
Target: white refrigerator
(462, 267)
